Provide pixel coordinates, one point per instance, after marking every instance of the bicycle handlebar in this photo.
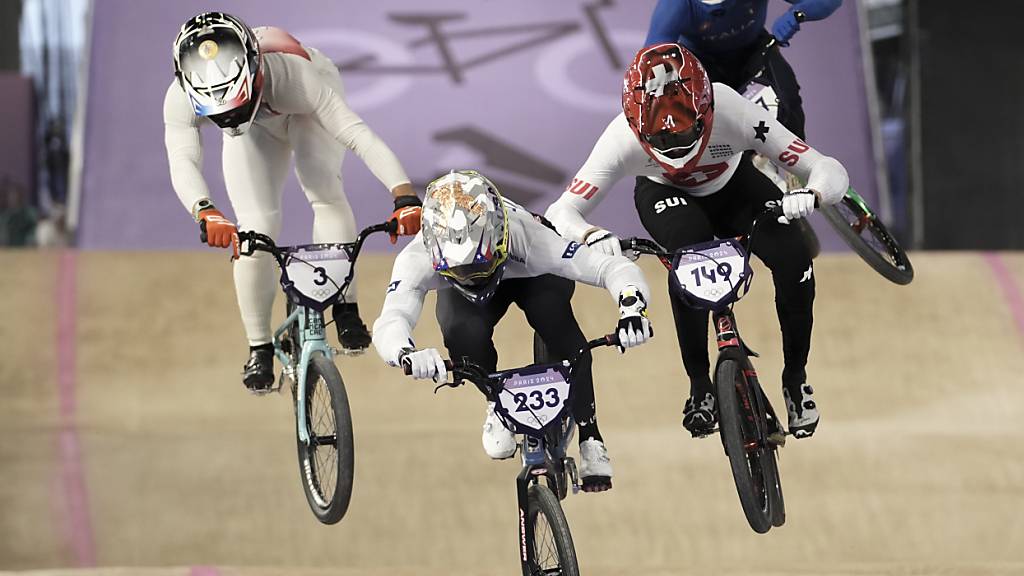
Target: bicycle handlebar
(257, 242)
(490, 386)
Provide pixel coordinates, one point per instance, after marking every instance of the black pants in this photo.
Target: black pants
(737, 68)
(674, 219)
(547, 303)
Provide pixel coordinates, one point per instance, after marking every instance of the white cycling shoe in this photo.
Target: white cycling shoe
(595, 466)
(803, 410)
(499, 442)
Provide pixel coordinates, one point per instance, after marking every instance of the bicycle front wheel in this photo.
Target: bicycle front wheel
(552, 550)
(870, 239)
(752, 462)
(327, 463)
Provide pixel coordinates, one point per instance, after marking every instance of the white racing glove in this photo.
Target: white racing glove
(604, 242)
(797, 203)
(424, 364)
(634, 327)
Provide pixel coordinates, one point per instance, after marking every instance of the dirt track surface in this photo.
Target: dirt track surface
(917, 468)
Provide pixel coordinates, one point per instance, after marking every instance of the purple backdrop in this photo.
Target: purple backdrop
(529, 88)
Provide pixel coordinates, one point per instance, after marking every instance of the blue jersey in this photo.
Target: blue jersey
(707, 29)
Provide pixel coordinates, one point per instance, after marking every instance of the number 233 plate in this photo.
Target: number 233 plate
(531, 400)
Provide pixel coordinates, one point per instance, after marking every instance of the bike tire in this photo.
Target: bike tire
(327, 481)
(736, 426)
(552, 550)
(778, 502)
(865, 234)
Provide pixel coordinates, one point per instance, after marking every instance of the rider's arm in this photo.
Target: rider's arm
(815, 9)
(549, 253)
(668, 21)
(411, 278)
(616, 155)
(298, 89)
(184, 148)
(766, 135)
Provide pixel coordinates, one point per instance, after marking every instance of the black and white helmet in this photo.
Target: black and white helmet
(217, 62)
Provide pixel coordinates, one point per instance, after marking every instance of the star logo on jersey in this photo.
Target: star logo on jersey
(760, 131)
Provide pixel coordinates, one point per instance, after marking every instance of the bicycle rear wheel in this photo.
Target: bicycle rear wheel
(552, 551)
(870, 239)
(752, 463)
(327, 463)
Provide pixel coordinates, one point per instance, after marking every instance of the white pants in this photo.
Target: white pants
(255, 167)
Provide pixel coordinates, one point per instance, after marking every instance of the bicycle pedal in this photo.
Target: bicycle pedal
(574, 475)
(350, 351)
(777, 438)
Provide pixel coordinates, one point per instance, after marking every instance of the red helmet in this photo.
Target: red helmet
(669, 104)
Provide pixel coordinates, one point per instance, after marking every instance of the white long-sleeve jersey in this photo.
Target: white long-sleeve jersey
(294, 83)
(534, 249)
(739, 125)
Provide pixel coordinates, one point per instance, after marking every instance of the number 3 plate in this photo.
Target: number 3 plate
(532, 400)
(316, 273)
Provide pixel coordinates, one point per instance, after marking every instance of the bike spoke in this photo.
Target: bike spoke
(323, 441)
(545, 553)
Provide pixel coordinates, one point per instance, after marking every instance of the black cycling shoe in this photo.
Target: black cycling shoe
(352, 333)
(258, 373)
(700, 417)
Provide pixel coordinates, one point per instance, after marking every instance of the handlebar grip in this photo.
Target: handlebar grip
(626, 244)
(391, 226)
(407, 368)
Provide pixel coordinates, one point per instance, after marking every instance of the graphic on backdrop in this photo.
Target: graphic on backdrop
(507, 40)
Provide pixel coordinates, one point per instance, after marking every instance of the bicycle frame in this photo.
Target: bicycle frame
(312, 339)
(730, 345)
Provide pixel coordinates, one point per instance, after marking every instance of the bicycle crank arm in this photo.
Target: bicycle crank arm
(574, 475)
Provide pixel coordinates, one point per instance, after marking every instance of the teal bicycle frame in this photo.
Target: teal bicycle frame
(312, 339)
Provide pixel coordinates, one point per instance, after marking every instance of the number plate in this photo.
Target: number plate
(712, 274)
(763, 96)
(316, 273)
(531, 400)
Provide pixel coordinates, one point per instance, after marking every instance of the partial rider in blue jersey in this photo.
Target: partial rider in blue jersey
(729, 36)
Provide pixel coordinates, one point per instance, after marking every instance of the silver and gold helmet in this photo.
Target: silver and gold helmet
(465, 228)
(217, 62)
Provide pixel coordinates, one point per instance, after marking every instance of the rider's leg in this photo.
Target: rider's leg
(318, 158)
(674, 220)
(782, 249)
(255, 165)
(783, 79)
(468, 331)
(547, 303)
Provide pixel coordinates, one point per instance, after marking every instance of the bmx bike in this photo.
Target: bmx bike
(313, 278)
(714, 276)
(533, 401)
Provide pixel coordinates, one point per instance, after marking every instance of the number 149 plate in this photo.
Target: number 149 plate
(531, 401)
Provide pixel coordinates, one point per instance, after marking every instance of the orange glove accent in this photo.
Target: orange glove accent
(218, 231)
(407, 220)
